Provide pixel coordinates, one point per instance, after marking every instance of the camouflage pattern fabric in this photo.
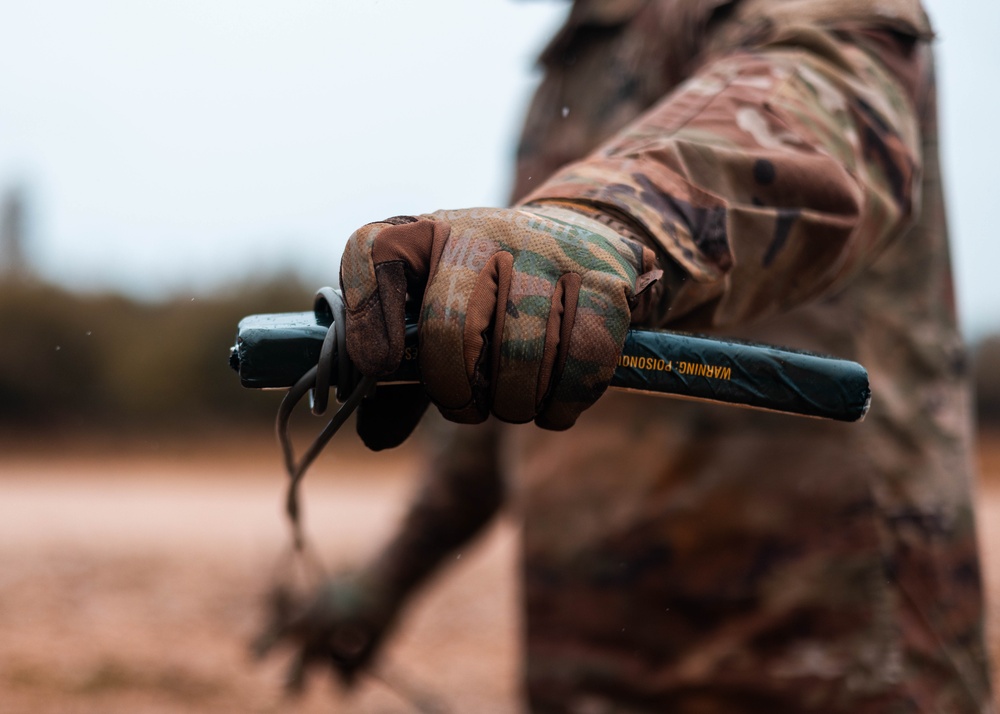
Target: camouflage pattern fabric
(694, 559)
(523, 313)
(827, 162)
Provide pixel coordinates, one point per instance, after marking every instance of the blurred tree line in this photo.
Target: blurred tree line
(104, 361)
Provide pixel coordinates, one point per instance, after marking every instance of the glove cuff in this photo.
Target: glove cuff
(631, 239)
(586, 215)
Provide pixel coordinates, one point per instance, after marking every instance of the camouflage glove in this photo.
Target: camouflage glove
(523, 312)
(341, 625)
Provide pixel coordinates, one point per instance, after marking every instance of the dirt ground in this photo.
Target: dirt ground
(132, 584)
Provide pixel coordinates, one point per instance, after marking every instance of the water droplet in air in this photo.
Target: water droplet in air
(565, 112)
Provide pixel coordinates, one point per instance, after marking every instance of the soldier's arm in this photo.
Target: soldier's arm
(346, 619)
(770, 177)
(461, 491)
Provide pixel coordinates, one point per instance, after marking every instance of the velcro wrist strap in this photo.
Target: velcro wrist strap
(586, 215)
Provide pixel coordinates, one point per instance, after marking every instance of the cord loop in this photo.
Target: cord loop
(352, 387)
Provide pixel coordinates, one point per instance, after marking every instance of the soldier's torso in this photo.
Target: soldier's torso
(715, 554)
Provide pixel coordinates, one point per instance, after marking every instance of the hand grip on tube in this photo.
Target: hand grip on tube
(273, 351)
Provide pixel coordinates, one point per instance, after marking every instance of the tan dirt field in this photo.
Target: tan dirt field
(132, 583)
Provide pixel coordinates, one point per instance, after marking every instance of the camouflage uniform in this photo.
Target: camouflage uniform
(678, 557)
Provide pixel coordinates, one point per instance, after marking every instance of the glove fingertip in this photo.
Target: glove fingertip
(556, 420)
(386, 419)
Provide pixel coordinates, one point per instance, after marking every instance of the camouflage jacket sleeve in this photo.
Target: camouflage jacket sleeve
(771, 176)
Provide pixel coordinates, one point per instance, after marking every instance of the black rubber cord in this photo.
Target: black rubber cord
(351, 389)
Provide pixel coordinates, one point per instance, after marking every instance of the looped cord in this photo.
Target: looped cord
(351, 389)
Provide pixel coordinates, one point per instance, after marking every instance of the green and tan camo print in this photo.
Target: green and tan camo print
(549, 292)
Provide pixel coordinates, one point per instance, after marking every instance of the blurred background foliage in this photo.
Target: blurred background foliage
(78, 362)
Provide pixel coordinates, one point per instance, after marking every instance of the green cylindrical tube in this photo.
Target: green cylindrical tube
(273, 351)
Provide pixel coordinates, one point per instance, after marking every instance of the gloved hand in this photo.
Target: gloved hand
(341, 625)
(523, 312)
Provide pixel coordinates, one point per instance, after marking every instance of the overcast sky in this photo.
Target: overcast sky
(170, 146)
